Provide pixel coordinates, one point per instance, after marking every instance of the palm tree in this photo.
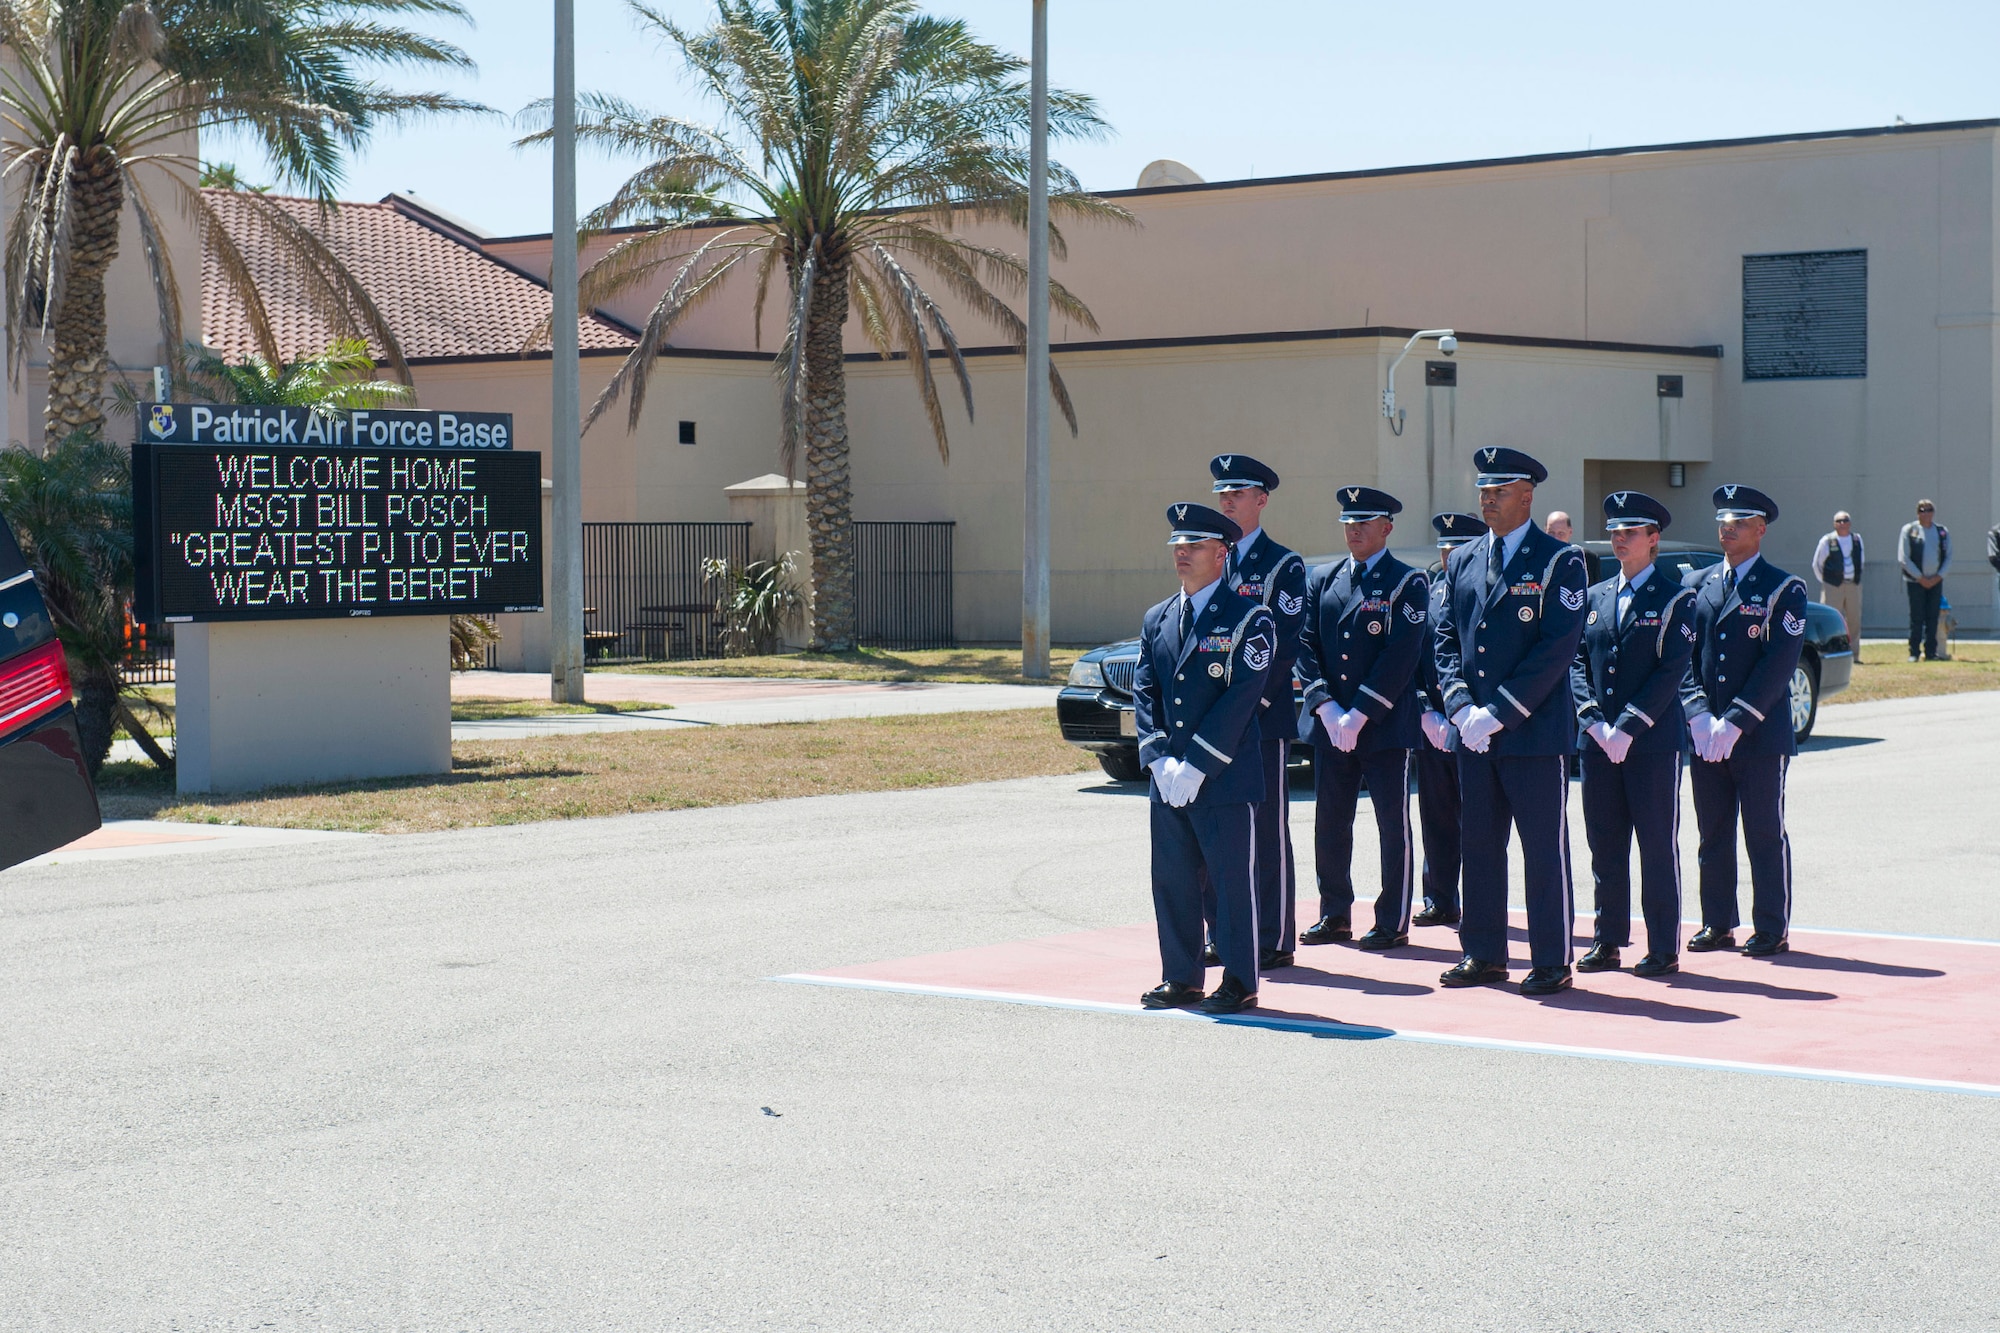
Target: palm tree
(340, 378)
(101, 100)
(857, 135)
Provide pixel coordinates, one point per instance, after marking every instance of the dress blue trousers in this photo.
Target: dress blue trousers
(1437, 807)
(1639, 798)
(1500, 794)
(1336, 792)
(1200, 850)
(1753, 785)
(1277, 881)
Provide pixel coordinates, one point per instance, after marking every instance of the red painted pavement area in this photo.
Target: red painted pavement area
(1872, 1007)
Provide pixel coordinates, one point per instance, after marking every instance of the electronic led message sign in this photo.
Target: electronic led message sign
(253, 532)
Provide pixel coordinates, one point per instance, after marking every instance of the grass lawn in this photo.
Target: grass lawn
(1889, 674)
(479, 708)
(615, 773)
(989, 664)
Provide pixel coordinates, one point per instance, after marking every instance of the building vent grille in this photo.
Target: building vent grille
(1805, 316)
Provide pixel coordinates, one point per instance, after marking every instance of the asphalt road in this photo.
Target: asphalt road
(536, 1078)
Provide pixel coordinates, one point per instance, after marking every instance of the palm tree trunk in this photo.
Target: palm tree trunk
(77, 358)
(829, 496)
(96, 703)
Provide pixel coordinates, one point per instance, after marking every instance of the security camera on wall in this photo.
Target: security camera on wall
(1447, 344)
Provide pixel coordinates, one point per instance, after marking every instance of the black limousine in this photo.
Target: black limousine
(1095, 707)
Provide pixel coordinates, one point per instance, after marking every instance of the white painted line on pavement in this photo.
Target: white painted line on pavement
(1352, 1031)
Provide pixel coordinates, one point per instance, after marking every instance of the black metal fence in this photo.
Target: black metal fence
(149, 655)
(643, 591)
(902, 584)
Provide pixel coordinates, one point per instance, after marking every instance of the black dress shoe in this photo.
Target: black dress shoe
(1326, 930)
(1231, 997)
(1471, 971)
(1435, 916)
(1656, 965)
(1171, 995)
(1209, 957)
(1378, 939)
(1270, 960)
(1763, 944)
(1708, 939)
(1545, 981)
(1601, 958)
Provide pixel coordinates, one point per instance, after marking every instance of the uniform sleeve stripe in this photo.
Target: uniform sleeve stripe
(1319, 684)
(1516, 702)
(1639, 713)
(1152, 736)
(1738, 701)
(1212, 750)
(1386, 703)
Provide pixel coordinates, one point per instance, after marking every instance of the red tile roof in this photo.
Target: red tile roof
(442, 296)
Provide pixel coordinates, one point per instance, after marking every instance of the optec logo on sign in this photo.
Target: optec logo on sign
(371, 428)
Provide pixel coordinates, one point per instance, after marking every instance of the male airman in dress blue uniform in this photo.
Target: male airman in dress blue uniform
(1364, 634)
(1749, 623)
(1512, 619)
(1276, 576)
(1626, 682)
(1204, 657)
(1437, 766)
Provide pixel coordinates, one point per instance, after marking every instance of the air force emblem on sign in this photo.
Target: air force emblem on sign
(161, 418)
(1257, 651)
(1291, 605)
(1794, 625)
(1571, 598)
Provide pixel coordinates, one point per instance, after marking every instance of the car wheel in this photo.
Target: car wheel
(1804, 700)
(1122, 766)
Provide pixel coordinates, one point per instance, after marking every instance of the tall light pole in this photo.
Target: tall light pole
(1035, 543)
(565, 443)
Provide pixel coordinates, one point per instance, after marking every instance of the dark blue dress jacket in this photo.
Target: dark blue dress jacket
(1276, 576)
(1747, 643)
(1511, 652)
(1630, 676)
(1365, 632)
(1196, 699)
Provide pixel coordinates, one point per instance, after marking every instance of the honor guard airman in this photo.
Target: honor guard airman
(1276, 576)
(1638, 635)
(1749, 623)
(1365, 631)
(1205, 655)
(1437, 766)
(1508, 633)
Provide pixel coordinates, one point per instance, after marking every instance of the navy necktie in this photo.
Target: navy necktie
(1187, 616)
(1493, 564)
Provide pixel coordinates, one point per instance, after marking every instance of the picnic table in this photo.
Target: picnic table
(696, 624)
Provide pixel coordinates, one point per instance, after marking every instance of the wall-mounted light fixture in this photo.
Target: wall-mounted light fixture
(1677, 475)
(1447, 342)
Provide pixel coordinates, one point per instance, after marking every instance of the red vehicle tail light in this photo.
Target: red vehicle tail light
(34, 683)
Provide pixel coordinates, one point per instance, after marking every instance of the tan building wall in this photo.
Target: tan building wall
(1642, 247)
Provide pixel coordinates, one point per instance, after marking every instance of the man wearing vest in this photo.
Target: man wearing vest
(1276, 576)
(1512, 619)
(1749, 624)
(1838, 562)
(1925, 552)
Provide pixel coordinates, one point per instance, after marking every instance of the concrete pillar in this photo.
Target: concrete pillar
(776, 511)
(527, 637)
(269, 703)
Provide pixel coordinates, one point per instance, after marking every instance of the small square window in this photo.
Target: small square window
(687, 432)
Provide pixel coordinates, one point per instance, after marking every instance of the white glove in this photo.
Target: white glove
(1601, 733)
(1158, 768)
(1437, 730)
(1727, 733)
(1698, 735)
(1617, 744)
(1329, 717)
(1479, 729)
(1180, 782)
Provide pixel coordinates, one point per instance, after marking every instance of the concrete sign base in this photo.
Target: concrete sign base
(270, 703)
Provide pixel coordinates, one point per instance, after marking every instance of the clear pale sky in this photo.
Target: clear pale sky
(1237, 90)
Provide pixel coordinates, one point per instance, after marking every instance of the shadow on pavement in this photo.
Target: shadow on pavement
(1659, 1011)
(1830, 963)
(1297, 975)
(1837, 742)
(1731, 986)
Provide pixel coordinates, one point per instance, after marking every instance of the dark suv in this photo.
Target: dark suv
(1095, 708)
(46, 797)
